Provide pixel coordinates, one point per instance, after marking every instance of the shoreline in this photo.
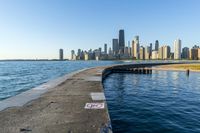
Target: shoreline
(178, 67)
(173, 69)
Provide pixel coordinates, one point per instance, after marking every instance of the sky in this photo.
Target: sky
(37, 29)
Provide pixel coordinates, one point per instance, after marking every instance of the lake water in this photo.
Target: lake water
(164, 102)
(19, 76)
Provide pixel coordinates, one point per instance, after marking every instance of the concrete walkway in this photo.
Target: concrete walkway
(63, 108)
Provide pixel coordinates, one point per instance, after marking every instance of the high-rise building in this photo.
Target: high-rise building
(100, 51)
(185, 53)
(73, 56)
(79, 52)
(126, 52)
(91, 55)
(171, 56)
(136, 48)
(154, 55)
(82, 55)
(105, 48)
(166, 52)
(133, 50)
(147, 53)
(177, 49)
(61, 54)
(160, 53)
(194, 53)
(129, 49)
(86, 56)
(198, 53)
(121, 41)
(142, 53)
(156, 45)
(110, 51)
(97, 54)
(150, 49)
(115, 46)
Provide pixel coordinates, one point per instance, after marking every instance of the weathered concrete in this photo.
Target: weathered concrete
(34, 93)
(61, 110)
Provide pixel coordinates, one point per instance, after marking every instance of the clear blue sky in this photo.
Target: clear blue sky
(38, 28)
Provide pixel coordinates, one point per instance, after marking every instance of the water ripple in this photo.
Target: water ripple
(19, 76)
(159, 103)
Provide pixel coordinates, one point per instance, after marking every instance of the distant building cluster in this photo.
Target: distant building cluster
(120, 51)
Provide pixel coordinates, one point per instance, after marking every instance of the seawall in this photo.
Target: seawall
(124, 67)
(76, 104)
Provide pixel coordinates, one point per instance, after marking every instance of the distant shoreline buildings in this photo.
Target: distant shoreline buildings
(135, 51)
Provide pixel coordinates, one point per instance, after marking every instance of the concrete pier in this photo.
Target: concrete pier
(66, 108)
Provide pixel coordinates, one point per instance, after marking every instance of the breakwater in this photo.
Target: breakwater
(142, 68)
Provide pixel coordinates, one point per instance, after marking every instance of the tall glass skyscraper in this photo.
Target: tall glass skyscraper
(105, 48)
(150, 49)
(185, 53)
(156, 45)
(121, 41)
(136, 48)
(115, 46)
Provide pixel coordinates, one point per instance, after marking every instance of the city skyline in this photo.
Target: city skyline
(27, 33)
(120, 51)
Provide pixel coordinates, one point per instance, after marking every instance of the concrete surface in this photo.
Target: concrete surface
(61, 109)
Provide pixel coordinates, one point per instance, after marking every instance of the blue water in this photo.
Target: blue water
(164, 102)
(19, 76)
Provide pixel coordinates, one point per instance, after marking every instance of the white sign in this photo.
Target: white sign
(94, 106)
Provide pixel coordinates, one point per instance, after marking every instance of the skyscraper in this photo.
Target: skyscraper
(126, 52)
(142, 53)
(61, 54)
(185, 53)
(177, 49)
(194, 54)
(150, 49)
(115, 46)
(160, 53)
(105, 48)
(136, 48)
(121, 41)
(156, 45)
(133, 50)
(129, 48)
(166, 52)
(154, 55)
(79, 52)
(147, 53)
(100, 51)
(110, 51)
(73, 56)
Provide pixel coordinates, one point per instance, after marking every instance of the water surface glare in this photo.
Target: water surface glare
(166, 101)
